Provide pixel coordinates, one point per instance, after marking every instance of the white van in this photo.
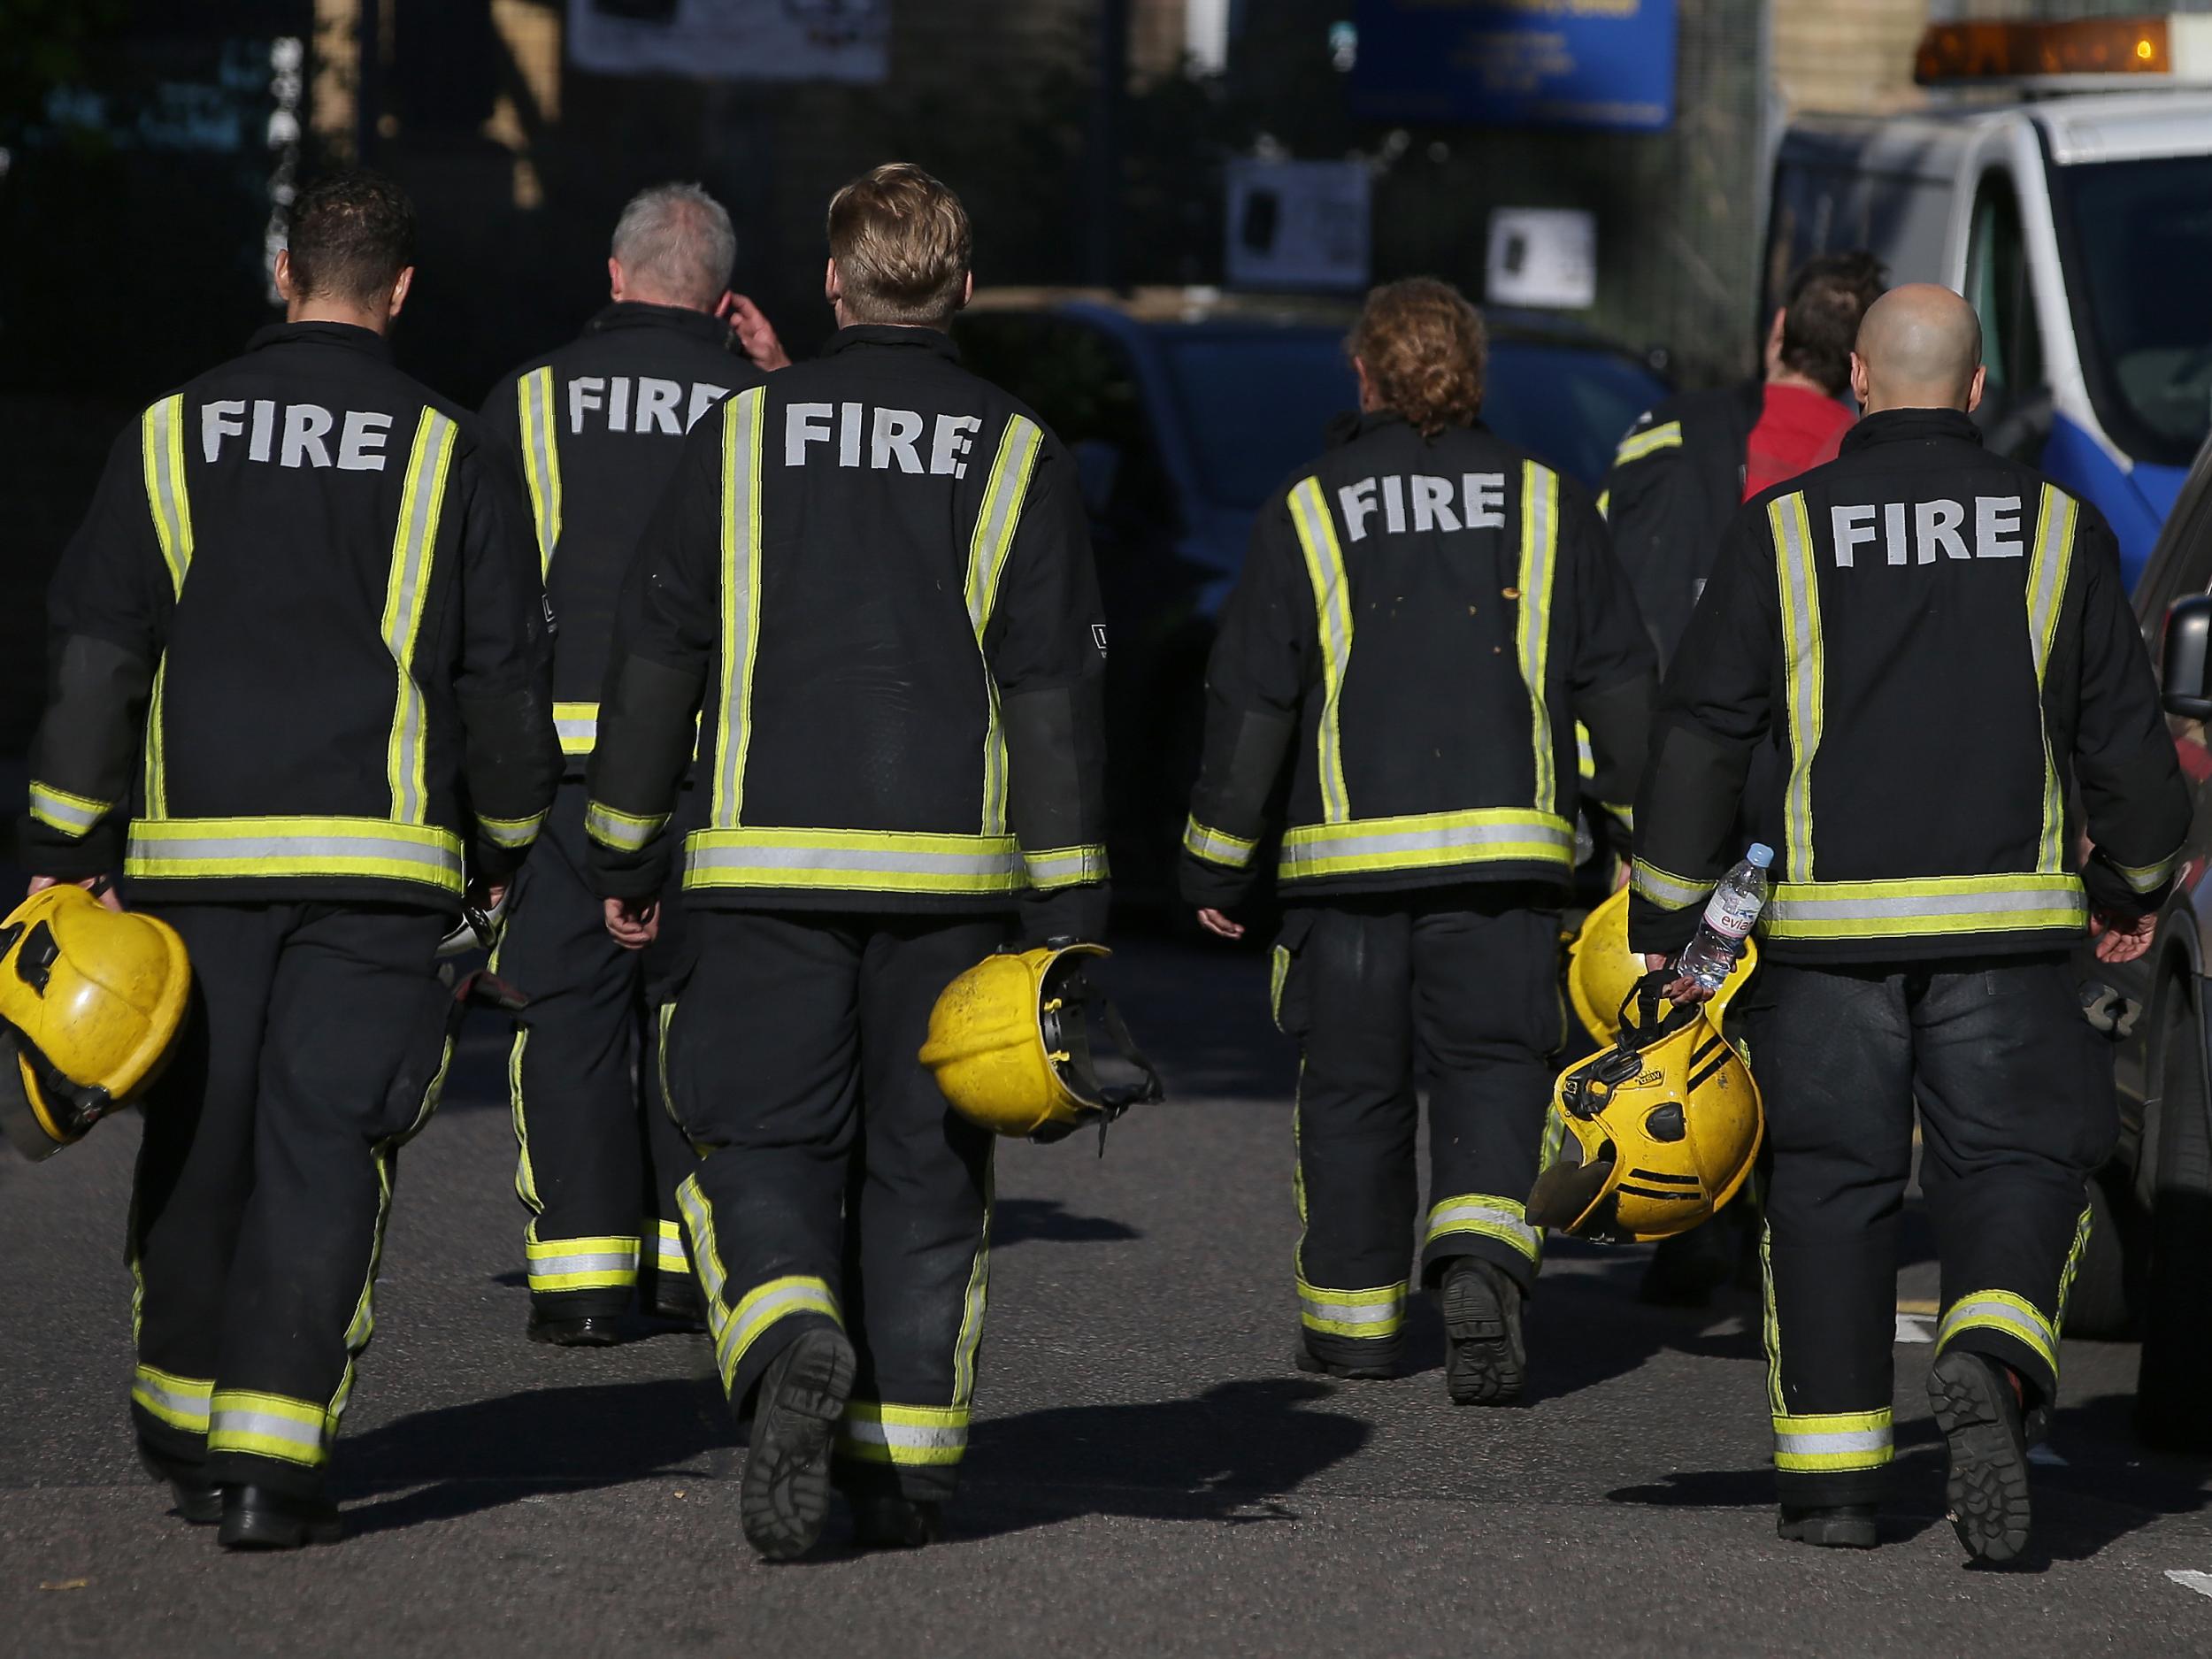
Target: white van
(2079, 224)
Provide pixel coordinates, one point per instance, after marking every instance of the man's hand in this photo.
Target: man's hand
(1680, 990)
(755, 335)
(101, 887)
(2125, 940)
(633, 923)
(1218, 925)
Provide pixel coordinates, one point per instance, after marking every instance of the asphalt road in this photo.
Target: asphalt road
(1148, 1473)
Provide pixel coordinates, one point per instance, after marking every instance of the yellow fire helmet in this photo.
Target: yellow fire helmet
(1602, 972)
(1659, 1130)
(91, 1003)
(1010, 1049)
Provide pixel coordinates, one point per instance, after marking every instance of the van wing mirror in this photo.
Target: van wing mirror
(2184, 663)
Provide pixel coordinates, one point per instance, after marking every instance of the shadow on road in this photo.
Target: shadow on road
(1231, 1454)
(1019, 1220)
(464, 1459)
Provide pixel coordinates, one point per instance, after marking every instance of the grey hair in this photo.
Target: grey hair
(675, 241)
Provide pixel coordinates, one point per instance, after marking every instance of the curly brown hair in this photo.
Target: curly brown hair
(1425, 350)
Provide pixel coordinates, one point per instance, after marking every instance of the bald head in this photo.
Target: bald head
(1920, 347)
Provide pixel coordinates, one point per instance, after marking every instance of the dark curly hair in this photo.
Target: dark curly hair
(351, 235)
(1425, 350)
(1820, 315)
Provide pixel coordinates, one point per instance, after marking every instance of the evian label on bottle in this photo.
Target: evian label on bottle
(1732, 914)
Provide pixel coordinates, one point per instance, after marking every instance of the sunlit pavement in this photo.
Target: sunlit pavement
(1148, 1473)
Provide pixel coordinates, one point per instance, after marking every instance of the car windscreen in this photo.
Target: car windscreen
(2140, 246)
(1257, 403)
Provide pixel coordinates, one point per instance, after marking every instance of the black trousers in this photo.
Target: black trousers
(599, 1156)
(2016, 1110)
(316, 1042)
(1461, 985)
(837, 1188)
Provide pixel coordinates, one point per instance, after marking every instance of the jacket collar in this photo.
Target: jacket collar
(872, 334)
(366, 340)
(681, 318)
(1911, 426)
(1352, 425)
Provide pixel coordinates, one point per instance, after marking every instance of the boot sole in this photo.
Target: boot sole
(1830, 1532)
(273, 1529)
(200, 1505)
(1484, 1367)
(1987, 1487)
(785, 1497)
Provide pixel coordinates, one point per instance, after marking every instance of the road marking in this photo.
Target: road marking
(2190, 1578)
(1913, 1327)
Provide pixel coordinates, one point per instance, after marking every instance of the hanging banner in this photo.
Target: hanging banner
(1605, 64)
(733, 40)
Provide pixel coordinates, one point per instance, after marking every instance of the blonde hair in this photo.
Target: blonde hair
(901, 243)
(1425, 350)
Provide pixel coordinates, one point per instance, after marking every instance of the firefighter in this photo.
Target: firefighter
(1679, 474)
(595, 429)
(300, 693)
(1424, 614)
(1934, 646)
(871, 576)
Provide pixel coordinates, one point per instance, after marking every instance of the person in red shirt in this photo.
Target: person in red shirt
(1801, 419)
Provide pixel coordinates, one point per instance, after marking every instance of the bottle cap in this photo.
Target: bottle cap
(1761, 854)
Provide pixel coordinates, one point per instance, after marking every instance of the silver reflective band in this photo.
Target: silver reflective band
(964, 864)
(1321, 1307)
(510, 832)
(756, 1312)
(171, 1404)
(742, 429)
(1670, 892)
(1983, 1311)
(583, 1261)
(233, 1421)
(622, 831)
(2140, 878)
(1218, 847)
(946, 1437)
(1886, 908)
(1450, 1218)
(1870, 1446)
(1065, 866)
(577, 724)
(72, 813)
(1441, 838)
(208, 848)
(420, 505)
(1800, 590)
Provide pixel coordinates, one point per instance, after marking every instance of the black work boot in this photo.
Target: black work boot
(1306, 1360)
(677, 1301)
(198, 1499)
(590, 1330)
(1832, 1526)
(1488, 1361)
(1978, 1408)
(885, 1521)
(257, 1517)
(785, 1493)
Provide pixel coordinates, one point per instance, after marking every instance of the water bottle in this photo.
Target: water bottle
(1729, 914)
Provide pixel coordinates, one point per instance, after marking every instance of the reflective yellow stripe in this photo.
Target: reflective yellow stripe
(741, 428)
(541, 460)
(269, 1425)
(414, 544)
(1332, 608)
(669, 1254)
(911, 1436)
(2046, 597)
(1925, 905)
(2082, 1230)
(1426, 840)
(2148, 877)
(603, 1264)
(1540, 544)
(1832, 1442)
(624, 832)
(1799, 588)
(577, 726)
(1666, 435)
(157, 773)
(1772, 1329)
(180, 1401)
(511, 831)
(2002, 1310)
(861, 861)
(977, 1297)
(735, 1330)
(1064, 867)
(71, 814)
(161, 445)
(1488, 1215)
(1585, 756)
(1665, 889)
(1605, 503)
(994, 525)
(194, 848)
(1374, 1316)
(1218, 847)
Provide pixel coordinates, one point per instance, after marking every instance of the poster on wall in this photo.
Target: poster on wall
(733, 40)
(1604, 63)
(1297, 225)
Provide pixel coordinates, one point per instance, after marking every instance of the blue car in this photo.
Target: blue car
(1184, 408)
